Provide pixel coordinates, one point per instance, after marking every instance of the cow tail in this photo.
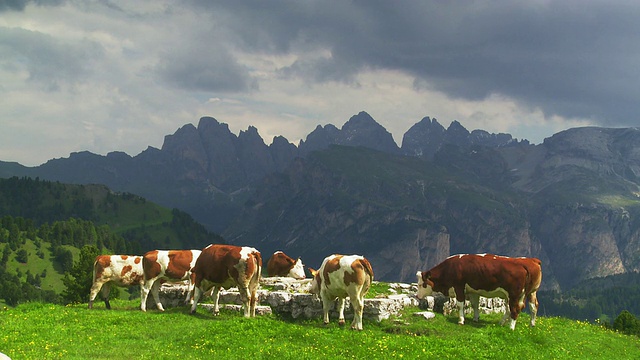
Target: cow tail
(257, 258)
(367, 268)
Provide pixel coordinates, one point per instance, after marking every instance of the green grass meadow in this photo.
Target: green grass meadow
(46, 331)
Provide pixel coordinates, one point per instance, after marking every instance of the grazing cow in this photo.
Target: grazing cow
(340, 276)
(225, 266)
(534, 268)
(282, 265)
(534, 279)
(471, 275)
(166, 265)
(120, 270)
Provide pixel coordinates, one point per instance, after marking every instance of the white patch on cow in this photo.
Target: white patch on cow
(297, 271)
(246, 250)
(499, 292)
(423, 291)
(278, 252)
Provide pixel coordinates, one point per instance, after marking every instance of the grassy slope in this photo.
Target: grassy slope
(53, 280)
(47, 331)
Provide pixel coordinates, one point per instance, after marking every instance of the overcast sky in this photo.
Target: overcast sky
(120, 75)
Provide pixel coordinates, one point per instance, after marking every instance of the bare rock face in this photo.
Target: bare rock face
(360, 130)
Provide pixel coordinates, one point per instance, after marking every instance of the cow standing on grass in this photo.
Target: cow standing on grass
(534, 279)
(340, 276)
(485, 275)
(120, 270)
(166, 265)
(225, 266)
(280, 264)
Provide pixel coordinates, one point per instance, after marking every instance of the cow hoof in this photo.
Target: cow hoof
(325, 323)
(216, 313)
(341, 322)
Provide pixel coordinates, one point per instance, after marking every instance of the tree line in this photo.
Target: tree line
(14, 232)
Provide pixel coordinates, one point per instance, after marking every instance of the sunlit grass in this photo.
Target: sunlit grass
(44, 331)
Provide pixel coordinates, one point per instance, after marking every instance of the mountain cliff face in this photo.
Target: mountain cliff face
(572, 201)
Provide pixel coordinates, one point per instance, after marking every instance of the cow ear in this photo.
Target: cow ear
(312, 271)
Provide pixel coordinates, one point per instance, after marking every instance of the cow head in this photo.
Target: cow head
(315, 282)
(425, 285)
(297, 271)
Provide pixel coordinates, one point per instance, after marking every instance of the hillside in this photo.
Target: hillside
(44, 224)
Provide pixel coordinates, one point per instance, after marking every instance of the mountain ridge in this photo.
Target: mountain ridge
(575, 196)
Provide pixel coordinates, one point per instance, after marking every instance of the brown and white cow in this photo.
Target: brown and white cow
(474, 275)
(340, 276)
(160, 266)
(534, 279)
(120, 270)
(225, 266)
(280, 264)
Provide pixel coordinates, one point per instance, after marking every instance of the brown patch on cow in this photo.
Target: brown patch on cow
(280, 264)
(102, 262)
(331, 266)
(137, 259)
(150, 264)
(179, 263)
(217, 263)
(125, 270)
(253, 261)
(124, 257)
(137, 279)
(359, 268)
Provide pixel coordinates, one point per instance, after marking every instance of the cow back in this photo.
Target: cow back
(122, 270)
(221, 263)
(480, 272)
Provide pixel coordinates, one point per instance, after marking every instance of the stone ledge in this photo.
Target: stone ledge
(293, 298)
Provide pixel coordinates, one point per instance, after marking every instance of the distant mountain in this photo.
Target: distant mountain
(572, 201)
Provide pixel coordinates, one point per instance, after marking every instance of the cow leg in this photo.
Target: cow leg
(197, 293)
(358, 306)
(253, 286)
(244, 296)
(95, 288)
(326, 305)
(253, 302)
(215, 294)
(341, 311)
(155, 292)
(144, 293)
(190, 289)
(533, 307)
(505, 317)
(515, 305)
(460, 311)
(475, 303)
(106, 289)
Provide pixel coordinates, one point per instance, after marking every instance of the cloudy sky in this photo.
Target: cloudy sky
(120, 75)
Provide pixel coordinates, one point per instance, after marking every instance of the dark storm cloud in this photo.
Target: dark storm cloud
(19, 5)
(47, 60)
(569, 58)
(205, 69)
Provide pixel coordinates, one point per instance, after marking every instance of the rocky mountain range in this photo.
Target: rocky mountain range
(573, 201)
